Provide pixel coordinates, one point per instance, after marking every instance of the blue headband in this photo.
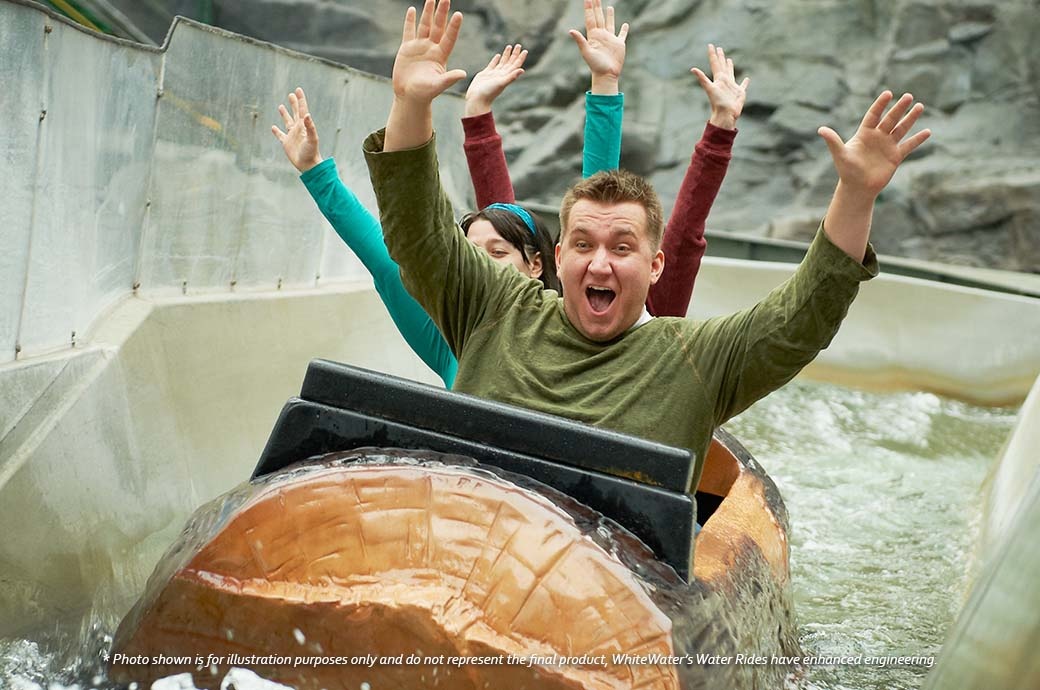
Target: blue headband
(519, 211)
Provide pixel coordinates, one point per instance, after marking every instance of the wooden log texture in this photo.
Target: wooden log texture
(396, 560)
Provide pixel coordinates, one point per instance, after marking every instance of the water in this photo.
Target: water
(884, 498)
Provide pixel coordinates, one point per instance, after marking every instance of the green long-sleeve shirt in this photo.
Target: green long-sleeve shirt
(360, 230)
(670, 380)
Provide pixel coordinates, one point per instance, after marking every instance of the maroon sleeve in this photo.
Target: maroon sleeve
(487, 161)
(683, 242)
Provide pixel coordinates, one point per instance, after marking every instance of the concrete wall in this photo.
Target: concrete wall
(129, 166)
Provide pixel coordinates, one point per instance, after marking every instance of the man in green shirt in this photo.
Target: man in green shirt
(593, 354)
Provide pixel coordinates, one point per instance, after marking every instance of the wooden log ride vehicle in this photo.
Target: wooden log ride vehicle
(433, 539)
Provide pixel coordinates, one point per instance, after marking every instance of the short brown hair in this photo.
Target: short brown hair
(615, 187)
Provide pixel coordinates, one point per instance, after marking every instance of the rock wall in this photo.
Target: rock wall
(971, 195)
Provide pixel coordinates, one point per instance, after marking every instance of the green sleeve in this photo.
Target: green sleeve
(745, 356)
(360, 230)
(456, 283)
(602, 150)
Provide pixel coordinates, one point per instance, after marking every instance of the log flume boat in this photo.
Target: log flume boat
(395, 535)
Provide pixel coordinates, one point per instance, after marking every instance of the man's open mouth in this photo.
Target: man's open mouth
(599, 298)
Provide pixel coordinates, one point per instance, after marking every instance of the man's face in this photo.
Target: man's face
(606, 265)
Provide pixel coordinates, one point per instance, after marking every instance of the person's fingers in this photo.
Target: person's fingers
(451, 35)
(579, 38)
(494, 61)
(440, 21)
(514, 55)
(729, 67)
(623, 34)
(744, 84)
(702, 78)
(907, 123)
(609, 23)
(873, 115)
(294, 103)
(713, 60)
(451, 77)
(590, 16)
(409, 26)
(913, 142)
(834, 142)
(308, 124)
(520, 59)
(285, 117)
(278, 134)
(597, 6)
(895, 113)
(426, 20)
(302, 98)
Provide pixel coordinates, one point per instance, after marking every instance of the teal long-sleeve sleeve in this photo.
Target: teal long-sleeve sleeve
(602, 149)
(360, 230)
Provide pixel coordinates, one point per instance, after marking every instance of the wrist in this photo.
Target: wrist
(605, 84)
(856, 195)
(723, 118)
(476, 106)
(411, 102)
(304, 166)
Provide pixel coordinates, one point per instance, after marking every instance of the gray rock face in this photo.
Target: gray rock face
(971, 195)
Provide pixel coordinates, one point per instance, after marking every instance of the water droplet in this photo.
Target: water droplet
(298, 634)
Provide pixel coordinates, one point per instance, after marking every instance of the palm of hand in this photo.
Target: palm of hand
(869, 159)
(725, 94)
(606, 54)
(489, 83)
(417, 70)
(299, 148)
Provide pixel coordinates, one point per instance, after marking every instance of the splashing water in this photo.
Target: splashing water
(884, 497)
(884, 494)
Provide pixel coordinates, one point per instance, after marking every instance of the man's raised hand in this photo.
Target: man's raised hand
(420, 69)
(602, 49)
(725, 95)
(489, 83)
(868, 160)
(300, 138)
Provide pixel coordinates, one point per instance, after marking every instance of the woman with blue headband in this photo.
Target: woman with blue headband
(511, 234)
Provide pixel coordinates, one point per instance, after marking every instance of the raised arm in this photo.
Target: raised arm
(483, 145)
(604, 53)
(456, 283)
(421, 74)
(768, 344)
(683, 242)
(865, 165)
(360, 230)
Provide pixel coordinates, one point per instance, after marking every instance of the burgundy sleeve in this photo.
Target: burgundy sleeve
(487, 161)
(683, 242)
